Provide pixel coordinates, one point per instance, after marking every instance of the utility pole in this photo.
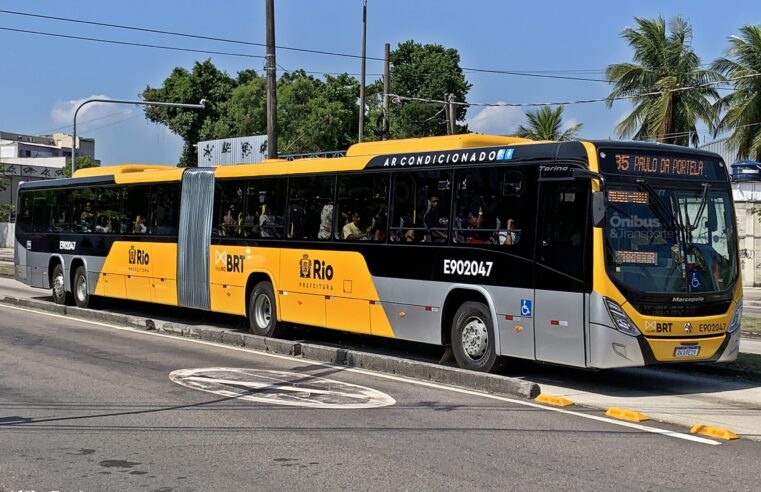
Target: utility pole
(271, 83)
(450, 114)
(386, 86)
(362, 81)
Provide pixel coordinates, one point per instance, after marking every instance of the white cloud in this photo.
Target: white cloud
(569, 123)
(496, 119)
(63, 111)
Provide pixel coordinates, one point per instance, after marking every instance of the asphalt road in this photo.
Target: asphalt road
(84, 406)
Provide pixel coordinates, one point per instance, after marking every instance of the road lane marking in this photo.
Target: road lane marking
(280, 388)
(643, 428)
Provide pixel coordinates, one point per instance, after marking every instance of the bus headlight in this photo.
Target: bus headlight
(621, 319)
(734, 325)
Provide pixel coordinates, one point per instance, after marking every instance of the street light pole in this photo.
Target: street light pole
(271, 67)
(362, 82)
(200, 105)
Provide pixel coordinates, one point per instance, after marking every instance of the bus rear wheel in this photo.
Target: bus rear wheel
(58, 286)
(82, 297)
(473, 342)
(262, 312)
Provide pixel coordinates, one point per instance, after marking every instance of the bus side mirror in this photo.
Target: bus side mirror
(598, 208)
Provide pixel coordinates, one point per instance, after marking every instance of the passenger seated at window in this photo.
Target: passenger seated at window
(139, 225)
(229, 221)
(351, 231)
(297, 219)
(434, 223)
(326, 222)
(87, 218)
(378, 227)
(102, 224)
(270, 223)
(511, 235)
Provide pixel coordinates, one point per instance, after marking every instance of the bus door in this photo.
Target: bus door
(559, 299)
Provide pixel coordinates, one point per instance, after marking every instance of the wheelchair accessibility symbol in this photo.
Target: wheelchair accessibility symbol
(695, 282)
(526, 308)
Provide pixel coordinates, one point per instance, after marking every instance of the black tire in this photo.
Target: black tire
(262, 311)
(473, 342)
(82, 297)
(58, 287)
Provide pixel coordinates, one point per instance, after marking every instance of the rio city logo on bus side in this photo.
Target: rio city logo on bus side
(316, 270)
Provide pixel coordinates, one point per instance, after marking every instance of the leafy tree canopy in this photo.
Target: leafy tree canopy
(547, 124)
(428, 71)
(742, 108)
(83, 162)
(663, 60)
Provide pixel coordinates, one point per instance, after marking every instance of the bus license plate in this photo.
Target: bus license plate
(686, 351)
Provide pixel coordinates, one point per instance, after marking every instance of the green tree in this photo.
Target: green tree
(547, 124)
(663, 60)
(204, 81)
(428, 71)
(743, 106)
(83, 162)
(314, 115)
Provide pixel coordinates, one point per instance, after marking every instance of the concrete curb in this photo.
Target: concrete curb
(491, 383)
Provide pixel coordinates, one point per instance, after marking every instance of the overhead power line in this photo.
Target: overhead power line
(521, 73)
(47, 132)
(126, 43)
(399, 98)
(182, 34)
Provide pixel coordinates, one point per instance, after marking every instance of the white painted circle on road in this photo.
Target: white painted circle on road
(280, 388)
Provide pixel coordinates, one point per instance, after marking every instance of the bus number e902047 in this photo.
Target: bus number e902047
(466, 267)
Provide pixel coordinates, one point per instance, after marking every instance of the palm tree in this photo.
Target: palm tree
(547, 124)
(663, 62)
(743, 106)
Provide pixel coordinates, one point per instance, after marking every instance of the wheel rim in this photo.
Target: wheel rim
(262, 311)
(58, 286)
(475, 338)
(81, 288)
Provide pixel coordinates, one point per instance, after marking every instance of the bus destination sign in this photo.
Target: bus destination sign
(662, 165)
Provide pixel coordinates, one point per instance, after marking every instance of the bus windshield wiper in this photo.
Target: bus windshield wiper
(691, 226)
(664, 213)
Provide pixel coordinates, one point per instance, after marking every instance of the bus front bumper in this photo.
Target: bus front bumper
(610, 349)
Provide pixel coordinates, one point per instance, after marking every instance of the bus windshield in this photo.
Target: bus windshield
(662, 239)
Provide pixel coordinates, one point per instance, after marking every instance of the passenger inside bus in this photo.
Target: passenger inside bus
(434, 222)
(351, 231)
(139, 225)
(87, 218)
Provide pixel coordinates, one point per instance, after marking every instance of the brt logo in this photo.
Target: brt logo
(138, 257)
(316, 269)
(229, 263)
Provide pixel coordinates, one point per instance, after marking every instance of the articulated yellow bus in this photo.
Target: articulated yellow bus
(588, 254)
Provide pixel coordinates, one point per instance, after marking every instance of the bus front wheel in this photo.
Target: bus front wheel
(262, 312)
(60, 296)
(473, 342)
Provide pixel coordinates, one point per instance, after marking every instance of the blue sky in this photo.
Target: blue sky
(42, 76)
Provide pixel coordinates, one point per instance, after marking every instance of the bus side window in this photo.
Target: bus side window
(307, 198)
(165, 214)
(421, 207)
(361, 209)
(228, 217)
(134, 219)
(108, 204)
(564, 217)
(265, 208)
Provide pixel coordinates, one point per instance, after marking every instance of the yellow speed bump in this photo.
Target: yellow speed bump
(557, 401)
(624, 414)
(718, 432)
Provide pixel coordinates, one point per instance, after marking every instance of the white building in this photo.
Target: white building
(31, 158)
